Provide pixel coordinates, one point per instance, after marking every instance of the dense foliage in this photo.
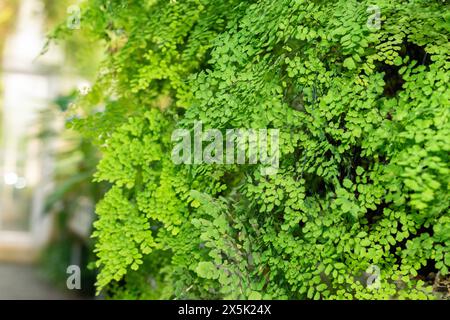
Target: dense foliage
(364, 173)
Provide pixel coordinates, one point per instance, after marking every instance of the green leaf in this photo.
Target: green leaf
(347, 183)
(206, 269)
(349, 63)
(359, 170)
(254, 296)
(310, 293)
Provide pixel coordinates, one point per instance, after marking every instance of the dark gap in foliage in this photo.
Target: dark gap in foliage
(332, 141)
(401, 245)
(359, 161)
(356, 160)
(343, 121)
(428, 272)
(297, 232)
(180, 112)
(328, 154)
(383, 159)
(423, 230)
(416, 53)
(317, 185)
(372, 216)
(229, 178)
(347, 169)
(184, 43)
(344, 168)
(392, 79)
(293, 97)
(205, 63)
(122, 283)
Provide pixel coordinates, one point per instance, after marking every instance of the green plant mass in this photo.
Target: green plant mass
(359, 206)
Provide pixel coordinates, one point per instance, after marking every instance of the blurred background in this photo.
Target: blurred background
(46, 195)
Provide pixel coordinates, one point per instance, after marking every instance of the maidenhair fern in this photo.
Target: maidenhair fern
(364, 175)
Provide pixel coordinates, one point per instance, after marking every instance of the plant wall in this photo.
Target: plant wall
(359, 207)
